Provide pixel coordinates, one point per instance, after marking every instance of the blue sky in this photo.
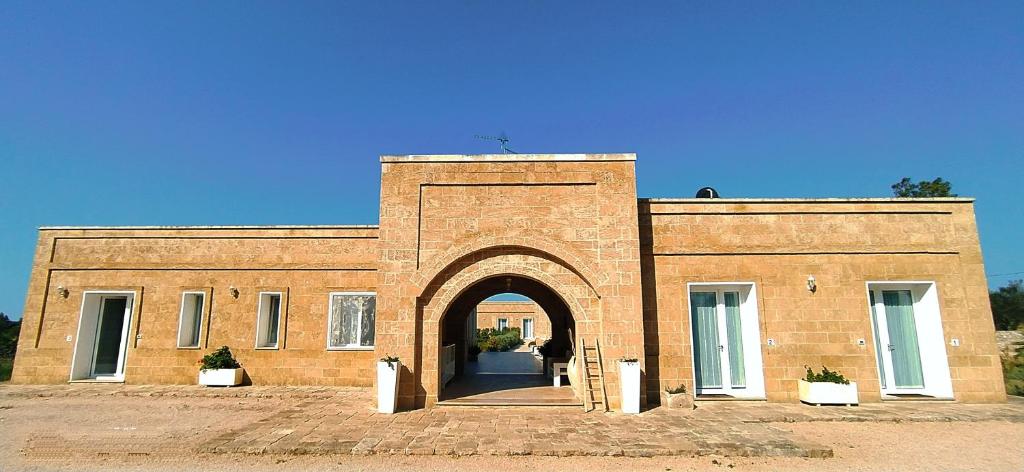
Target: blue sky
(141, 113)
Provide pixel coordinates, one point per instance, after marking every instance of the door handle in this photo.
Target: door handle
(721, 348)
(892, 347)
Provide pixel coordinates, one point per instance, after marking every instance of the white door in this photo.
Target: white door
(897, 343)
(718, 343)
(111, 338)
(527, 328)
(726, 345)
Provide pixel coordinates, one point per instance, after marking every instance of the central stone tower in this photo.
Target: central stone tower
(563, 224)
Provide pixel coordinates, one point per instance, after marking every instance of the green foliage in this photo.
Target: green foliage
(391, 360)
(493, 340)
(674, 390)
(935, 188)
(1013, 373)
(1008, 306)
(826, 376)
(545, 348)
(9, 331)
(219, 359)
(6, 366)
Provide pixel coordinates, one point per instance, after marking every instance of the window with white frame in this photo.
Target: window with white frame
(190, 320)
(350, 324)
(527, 328)
(502, 323)
(268, 325)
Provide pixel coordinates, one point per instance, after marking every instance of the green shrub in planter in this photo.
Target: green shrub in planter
(219, 359)
(826, 376)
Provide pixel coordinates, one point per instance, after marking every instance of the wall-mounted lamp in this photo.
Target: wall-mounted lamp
(233, 291)
(63, 292)
(812, 285)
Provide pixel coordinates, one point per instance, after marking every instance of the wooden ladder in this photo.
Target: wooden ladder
(593, 376)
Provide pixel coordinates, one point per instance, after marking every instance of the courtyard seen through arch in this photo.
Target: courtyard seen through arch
(507, 340)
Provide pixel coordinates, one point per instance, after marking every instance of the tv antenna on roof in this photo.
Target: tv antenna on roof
(502, 139)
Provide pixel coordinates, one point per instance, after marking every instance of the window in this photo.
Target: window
(502, 324)
(350, 324)
(527, 328)
(268, 325)
(190, 321)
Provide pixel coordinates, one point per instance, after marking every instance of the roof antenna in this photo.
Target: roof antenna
(502, 139)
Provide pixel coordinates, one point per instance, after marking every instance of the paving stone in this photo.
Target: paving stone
(339, 422)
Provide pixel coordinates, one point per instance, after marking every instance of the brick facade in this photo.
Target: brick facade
(607, 266)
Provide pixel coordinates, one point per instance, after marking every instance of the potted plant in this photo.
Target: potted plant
(676, 398)
(629, 385)
(388, 369)
(827, 388)
(219, 368)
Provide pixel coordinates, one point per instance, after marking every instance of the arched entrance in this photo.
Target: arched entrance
(444, 302)
(504, 378)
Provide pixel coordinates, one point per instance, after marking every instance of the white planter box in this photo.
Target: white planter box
(387, 386)
(629, 387)
(828, 393)
(220, 377)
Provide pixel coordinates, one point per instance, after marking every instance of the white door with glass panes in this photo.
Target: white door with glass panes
(897, 344)
(527, 328)
(726, 341)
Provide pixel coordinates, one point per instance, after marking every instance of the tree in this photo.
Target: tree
(9, 331)
(936, 188)
(1008, 306)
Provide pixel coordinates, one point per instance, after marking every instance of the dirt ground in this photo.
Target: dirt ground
(169, 427)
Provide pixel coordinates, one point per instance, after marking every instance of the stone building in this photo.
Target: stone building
(730, 297)
(531, 320)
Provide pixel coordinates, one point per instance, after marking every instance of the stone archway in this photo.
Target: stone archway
(455, 284)
(508, 377)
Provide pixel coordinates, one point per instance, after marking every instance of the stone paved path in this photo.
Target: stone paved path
(320, 420)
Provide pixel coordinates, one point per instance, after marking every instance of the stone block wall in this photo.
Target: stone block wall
(844, 244)
(448, 222)
(305, 263)
(572, 225)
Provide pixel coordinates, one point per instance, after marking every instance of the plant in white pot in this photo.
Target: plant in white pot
(388, 369)
(629, 385)
(677, 398)
(827, 388)
(219, 368)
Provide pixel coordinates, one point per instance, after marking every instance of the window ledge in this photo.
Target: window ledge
(351, 348)
(274, 348)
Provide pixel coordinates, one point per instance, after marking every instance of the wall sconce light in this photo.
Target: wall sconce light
(63, 292)
(233, 291)
(812, 285)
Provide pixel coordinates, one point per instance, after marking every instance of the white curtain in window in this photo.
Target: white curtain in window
(353, 320)
(708, 359)
(902, 327)
(734, 333)
(191, 319)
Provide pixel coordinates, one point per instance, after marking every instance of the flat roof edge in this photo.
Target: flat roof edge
(810, 200)
(389, 158)
(44, 228)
